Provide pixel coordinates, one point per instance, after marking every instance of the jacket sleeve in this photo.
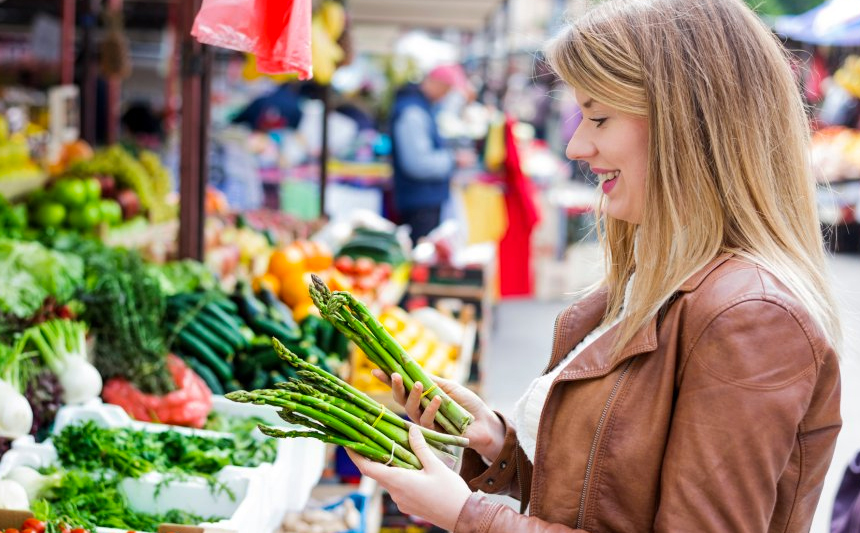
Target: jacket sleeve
(504, 474)
(745, 386)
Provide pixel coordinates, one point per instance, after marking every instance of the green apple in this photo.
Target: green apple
(93, 188)
(50, 215)
(111, 212)
(70, 192)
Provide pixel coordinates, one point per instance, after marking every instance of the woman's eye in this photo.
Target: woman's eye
(598, 121)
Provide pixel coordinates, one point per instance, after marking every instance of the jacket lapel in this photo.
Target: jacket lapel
(575, 322)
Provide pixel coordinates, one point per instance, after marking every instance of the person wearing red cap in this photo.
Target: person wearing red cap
(423, 165)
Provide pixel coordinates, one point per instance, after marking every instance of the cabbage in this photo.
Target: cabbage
(32, 273)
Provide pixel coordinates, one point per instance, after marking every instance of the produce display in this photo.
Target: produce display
(836, 154)
(140, 185)
(337, 413)
(226, 339)
(83, 486)
(15, 160)
(81, 204)
(354, 320)
(848, 76)
(436, 356)
(131, 453)
(337, 518)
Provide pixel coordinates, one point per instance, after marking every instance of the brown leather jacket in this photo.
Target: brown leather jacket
(721, 417)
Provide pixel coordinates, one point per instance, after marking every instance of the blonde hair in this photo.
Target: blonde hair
(728, 165)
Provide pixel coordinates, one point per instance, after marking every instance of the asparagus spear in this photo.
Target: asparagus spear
(337, 387)
(329, 415)
(386, 347)
(367, 451)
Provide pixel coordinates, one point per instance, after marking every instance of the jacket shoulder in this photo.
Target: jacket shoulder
(741, 299)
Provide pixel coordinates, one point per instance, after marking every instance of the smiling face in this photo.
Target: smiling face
(615, 146)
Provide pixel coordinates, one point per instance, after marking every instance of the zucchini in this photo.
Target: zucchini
(226, 332)
(205, 373)
(196, 347)
(274, 329)
(325, 333)
(261, 379)
(229, 319)
(249, 308)
(278, 310)
(212, 339)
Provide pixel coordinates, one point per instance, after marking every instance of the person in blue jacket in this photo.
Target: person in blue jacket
(423, 165)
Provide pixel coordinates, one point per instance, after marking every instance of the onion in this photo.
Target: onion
(16, 415)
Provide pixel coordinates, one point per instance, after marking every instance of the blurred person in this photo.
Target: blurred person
(697, 387)
(423, 165)
(142, 127)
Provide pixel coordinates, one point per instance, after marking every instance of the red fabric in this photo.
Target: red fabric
(516, 275)
(188, 405)
(277, 32)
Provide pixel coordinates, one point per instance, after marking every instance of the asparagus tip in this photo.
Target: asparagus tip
(239, 396)
(272, 432)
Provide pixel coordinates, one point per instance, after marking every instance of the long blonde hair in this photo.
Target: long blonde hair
(728, 147)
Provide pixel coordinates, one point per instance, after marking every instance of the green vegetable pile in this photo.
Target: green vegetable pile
(125, 309)
(132, 453)
(31, 273)
(89, 500)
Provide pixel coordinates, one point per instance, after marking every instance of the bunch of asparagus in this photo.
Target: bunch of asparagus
(337, 413)
(353, 319)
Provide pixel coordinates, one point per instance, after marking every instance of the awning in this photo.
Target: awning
(835, 22)
(470, 15)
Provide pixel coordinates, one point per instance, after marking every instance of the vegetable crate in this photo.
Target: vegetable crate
(263, 495)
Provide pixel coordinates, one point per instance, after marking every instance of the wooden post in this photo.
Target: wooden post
(193, 166)
(67, 44)
(326, 93)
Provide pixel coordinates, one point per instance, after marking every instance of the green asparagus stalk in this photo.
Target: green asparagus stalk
(367, 451)
(330, 311)
(331, 416)
(383, 344)
(399, 443)
(367, 403)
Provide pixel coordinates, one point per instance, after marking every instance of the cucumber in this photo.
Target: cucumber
(278, 310)
(325, 334)
(261, 379)
(230, 319)
(274, 329)
(193, 345)
(212, 339)
(226, 305)
(310, 326)
(205, 373)
(225, 331)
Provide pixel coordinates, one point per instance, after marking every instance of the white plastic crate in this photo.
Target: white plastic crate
(263, 495)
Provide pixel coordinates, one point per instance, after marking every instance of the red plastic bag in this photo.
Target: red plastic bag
(188, 405)
(277, 32)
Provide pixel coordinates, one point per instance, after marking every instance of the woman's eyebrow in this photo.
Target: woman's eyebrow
(587, 103)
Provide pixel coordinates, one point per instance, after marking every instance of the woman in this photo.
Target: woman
(701, 394)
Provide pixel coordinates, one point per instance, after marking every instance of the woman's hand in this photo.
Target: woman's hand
(486, 433)
(435, 493)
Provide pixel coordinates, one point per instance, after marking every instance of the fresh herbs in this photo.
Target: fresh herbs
(89, 500)
(125, 308)
(132, 453)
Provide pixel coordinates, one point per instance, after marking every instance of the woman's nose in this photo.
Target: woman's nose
(580, 146)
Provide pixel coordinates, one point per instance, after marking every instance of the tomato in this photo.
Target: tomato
(12, 530)
(28, 530)
(344, 264)
(34, 523)
(79, 530)
(364, 265)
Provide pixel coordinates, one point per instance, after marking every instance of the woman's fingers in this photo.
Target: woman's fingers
(397, 389)
(381, 376)
(428, 417)
(413, 402)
